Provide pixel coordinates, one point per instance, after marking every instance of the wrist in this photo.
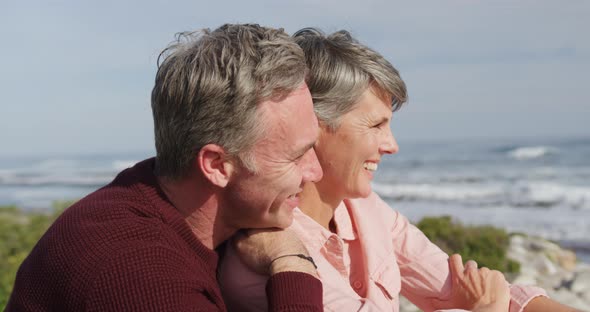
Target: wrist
(293, 263)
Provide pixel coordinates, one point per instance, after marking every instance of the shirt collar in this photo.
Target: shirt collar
(344, 226)
(314, 235)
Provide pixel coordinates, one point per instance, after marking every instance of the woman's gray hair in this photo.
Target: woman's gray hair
(341, 69)
(208, 88)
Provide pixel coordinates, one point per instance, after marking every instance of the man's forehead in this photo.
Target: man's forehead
(293, 112)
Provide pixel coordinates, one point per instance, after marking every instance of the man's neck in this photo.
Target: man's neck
(319, 205)
(199, 204)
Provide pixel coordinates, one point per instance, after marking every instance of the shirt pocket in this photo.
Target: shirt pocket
(387, 278)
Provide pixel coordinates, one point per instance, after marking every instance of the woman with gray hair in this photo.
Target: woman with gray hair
(366, 253)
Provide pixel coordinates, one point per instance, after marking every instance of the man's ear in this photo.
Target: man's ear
(215, 164)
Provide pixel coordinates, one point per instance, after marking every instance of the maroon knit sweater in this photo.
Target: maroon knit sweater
(126, 248)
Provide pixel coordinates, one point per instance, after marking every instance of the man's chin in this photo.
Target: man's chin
(284, 222)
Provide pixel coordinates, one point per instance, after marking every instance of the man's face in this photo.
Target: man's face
(285, 160)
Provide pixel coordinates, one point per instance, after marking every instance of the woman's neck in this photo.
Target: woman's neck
(319, 205)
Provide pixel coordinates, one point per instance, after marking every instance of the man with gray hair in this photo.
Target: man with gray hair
(234, 130)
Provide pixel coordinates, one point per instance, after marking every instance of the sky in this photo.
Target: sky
(76, 76)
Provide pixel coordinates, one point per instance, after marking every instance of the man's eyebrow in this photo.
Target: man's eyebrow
(304, 149)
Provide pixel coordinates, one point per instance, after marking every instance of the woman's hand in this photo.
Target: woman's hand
(478, 290)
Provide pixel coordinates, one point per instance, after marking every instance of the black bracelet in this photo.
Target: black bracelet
(302, 256)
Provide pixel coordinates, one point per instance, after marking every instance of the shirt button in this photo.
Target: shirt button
(357, 284)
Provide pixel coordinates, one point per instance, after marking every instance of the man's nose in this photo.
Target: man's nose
(312, 171)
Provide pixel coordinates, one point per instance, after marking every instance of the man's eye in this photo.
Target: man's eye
(298, 158)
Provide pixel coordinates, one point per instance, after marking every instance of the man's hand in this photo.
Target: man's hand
(475, 289)
(258, 248)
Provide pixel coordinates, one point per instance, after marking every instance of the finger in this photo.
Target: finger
(499, 276)
(475, 279)
(484, 271)
(456, 265)
(471, 264)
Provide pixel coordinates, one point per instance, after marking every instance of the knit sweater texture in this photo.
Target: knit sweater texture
(126, 248)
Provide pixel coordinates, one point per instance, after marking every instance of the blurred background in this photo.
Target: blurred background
(496, 130)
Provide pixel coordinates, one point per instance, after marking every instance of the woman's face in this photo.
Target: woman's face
(350, 155)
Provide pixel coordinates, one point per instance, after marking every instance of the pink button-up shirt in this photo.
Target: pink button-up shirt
(375, 255)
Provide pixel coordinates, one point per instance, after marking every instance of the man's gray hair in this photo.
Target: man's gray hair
(341, 69)
(208, 88)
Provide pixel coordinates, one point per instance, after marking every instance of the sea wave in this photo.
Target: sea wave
(531, 152)
(445, 193)
(519, 194)
(545, 194)
(64, 172)
(55, 180)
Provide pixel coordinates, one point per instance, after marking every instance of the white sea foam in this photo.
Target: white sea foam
(550, 194)
(555, 224)
(75, 173)
(71, 180)
(520, 194)
(531, 152)
(439, 192)
(55, 164)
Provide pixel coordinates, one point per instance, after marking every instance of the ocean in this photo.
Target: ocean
(538, 187)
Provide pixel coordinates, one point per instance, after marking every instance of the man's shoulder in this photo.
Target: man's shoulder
(85, 249)
(114, 220)
(124, 210)
(154, 263)
(92, 232)
(129, 273)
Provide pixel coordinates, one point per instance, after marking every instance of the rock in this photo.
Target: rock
(566, 297)
(581, 283)
(545, 266)
(539, 244)
(525, 279)
(555, 281)
(582, 267)
(567, 260)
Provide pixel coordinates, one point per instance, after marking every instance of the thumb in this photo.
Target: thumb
(456, 266)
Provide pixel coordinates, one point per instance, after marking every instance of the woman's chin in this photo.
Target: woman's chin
(360, 193)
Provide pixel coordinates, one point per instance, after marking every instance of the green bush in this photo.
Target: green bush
(19, 232)
(486, 245)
